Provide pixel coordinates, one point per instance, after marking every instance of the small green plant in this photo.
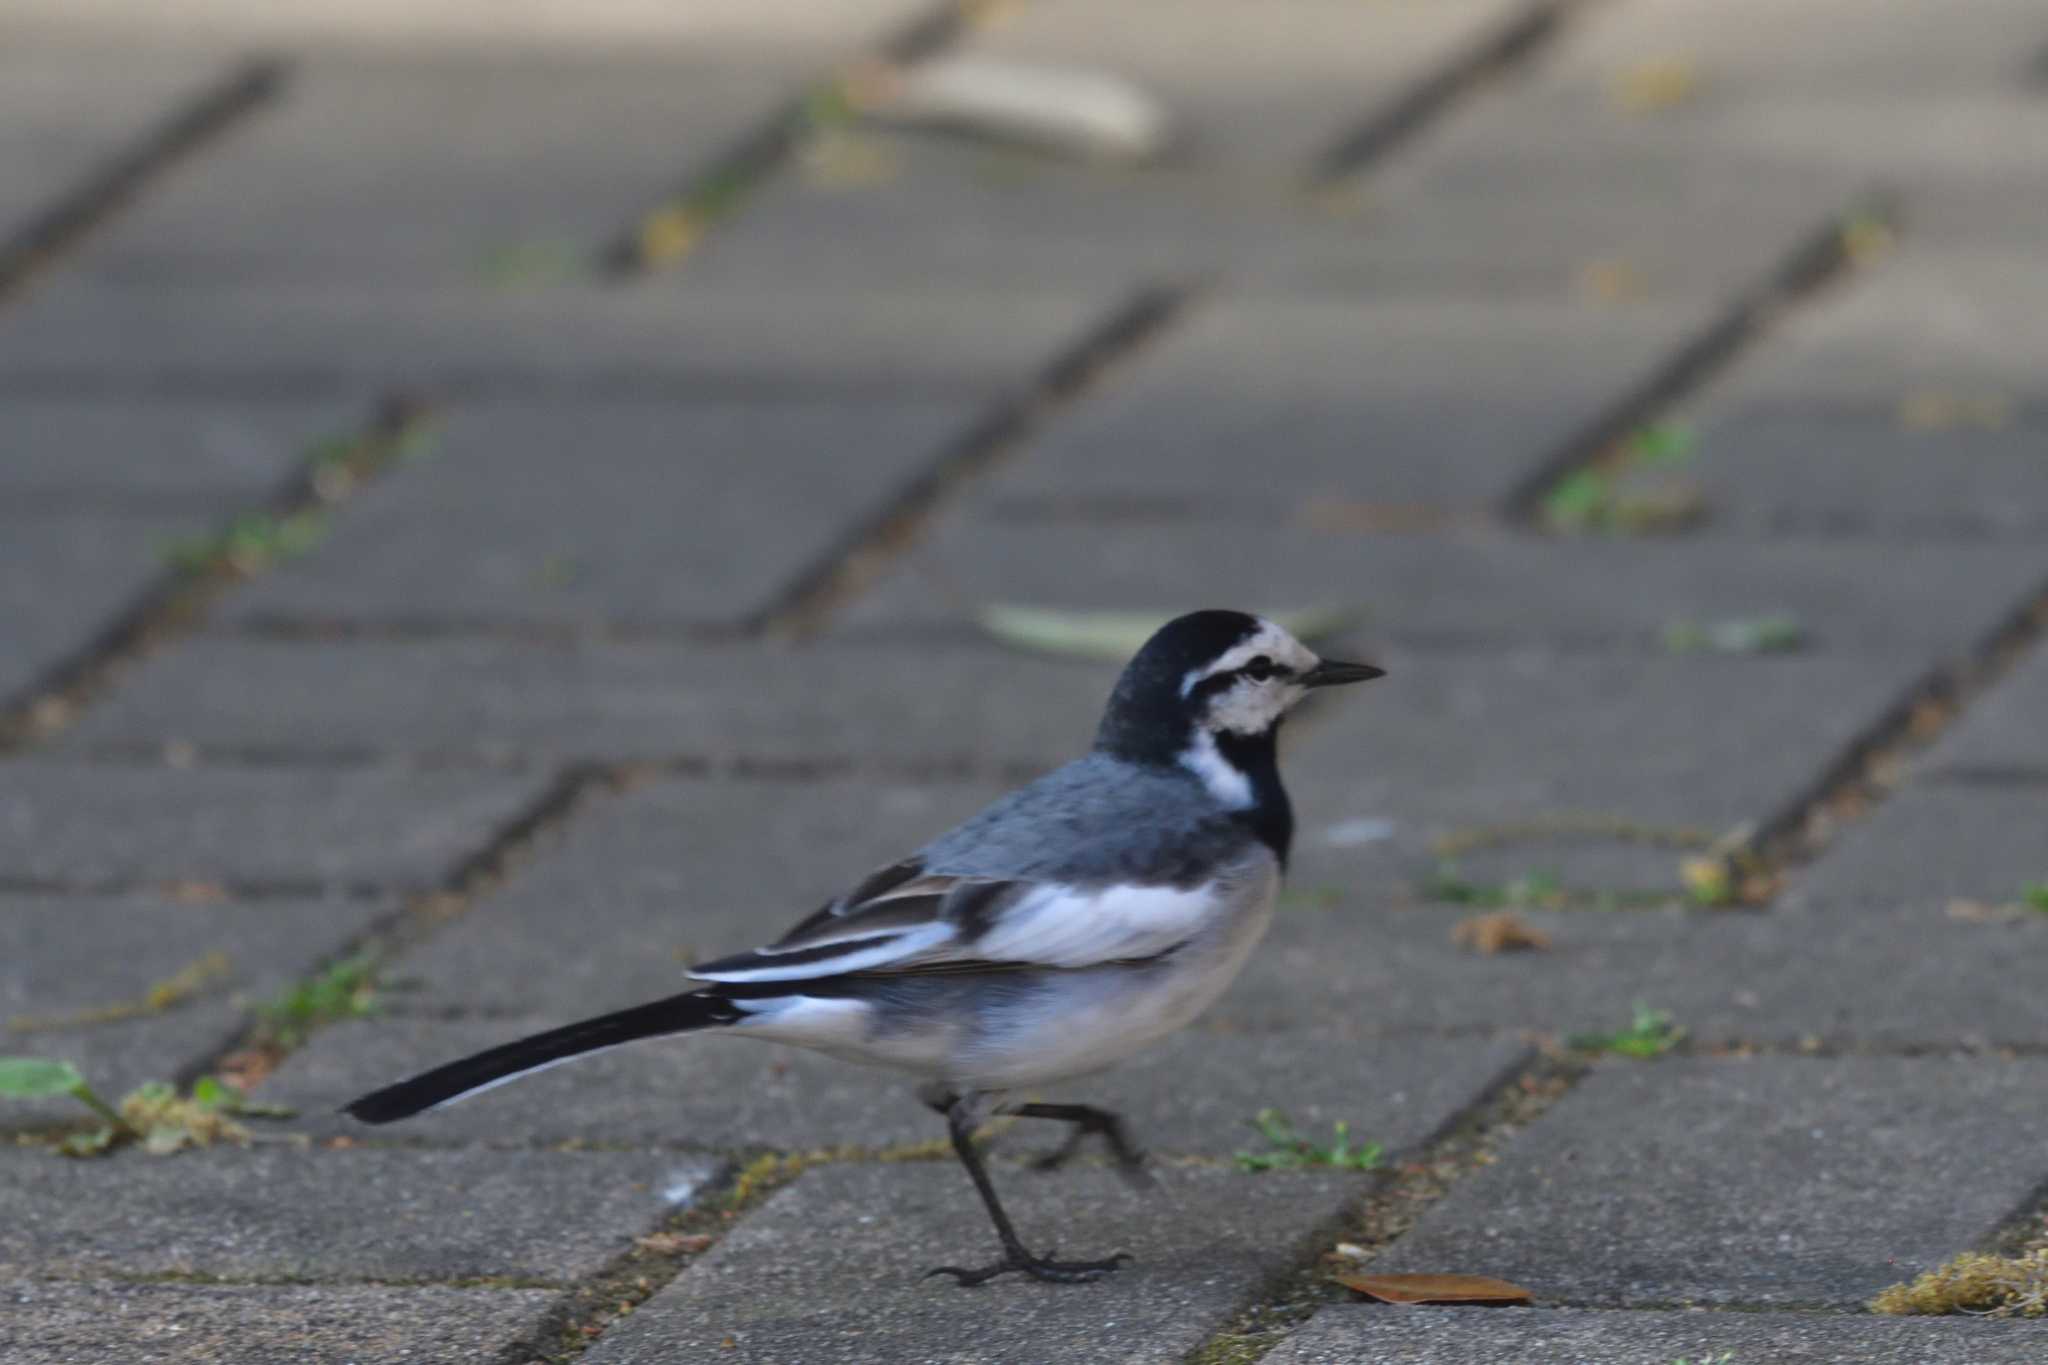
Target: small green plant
(1776, 633)
(251, 543)
(344, 990)
(153, 1115)
(2034, 895)
(1650, 1033)
(1288, 1150)
(1593, 498)
(1533, 890)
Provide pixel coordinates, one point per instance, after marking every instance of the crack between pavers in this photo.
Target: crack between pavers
(1872, 764)
(1493, 56)
(1412, 1183)
(1823, 257)
(248, 543)
(38, 245)
(860, 554)
(258, 1050)
(672, 228)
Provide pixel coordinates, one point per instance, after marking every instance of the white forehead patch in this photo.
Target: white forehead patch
(1269, 640)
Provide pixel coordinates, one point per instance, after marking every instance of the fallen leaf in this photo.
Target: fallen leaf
(1980, 912)
(1611, 279)
(1436, 1289)
(672, 1243)
(1661, 83)
(1503, 931)
(1062, 109)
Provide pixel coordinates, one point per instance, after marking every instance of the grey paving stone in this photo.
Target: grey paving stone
(1829, 46)
(60, 1322)
(1480, 1336)
(326, 340)
(1932, 842)
(532, 513)
(1784, 1181)
(815, 30)
(650, 699)
(69, 105)
(290, 1213)
(1607, 207)
(1253, 92)
(829, 1268)
(1297, 411)
(65, 574)
(1829, 473)
(61, 956)
(90, 825)
(1253, 99)
(209, 458)
(393, 169)
(672, 873)
(1928, 319)
(1922, 602)
(1195, 1094)
(2000, 732)
(1375, 966)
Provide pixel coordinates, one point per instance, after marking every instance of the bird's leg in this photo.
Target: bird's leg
(961, 1119)
(1086, 1120)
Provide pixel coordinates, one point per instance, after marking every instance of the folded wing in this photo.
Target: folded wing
(904, 918)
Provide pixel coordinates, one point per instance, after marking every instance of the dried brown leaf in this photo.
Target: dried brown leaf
(1436, 1289)
(1502, 931)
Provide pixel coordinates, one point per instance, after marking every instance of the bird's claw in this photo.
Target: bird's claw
(1037, 1267)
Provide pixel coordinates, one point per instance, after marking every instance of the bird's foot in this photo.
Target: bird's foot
(1130, 1163)
(1037, 1267)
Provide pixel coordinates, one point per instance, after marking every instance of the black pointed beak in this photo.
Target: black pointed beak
(1331, 672)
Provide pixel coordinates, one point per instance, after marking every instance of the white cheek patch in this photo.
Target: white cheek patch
(1251, 708)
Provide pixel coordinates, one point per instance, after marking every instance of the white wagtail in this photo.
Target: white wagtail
(1068, 925)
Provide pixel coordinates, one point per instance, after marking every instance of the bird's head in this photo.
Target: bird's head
(1213, 678)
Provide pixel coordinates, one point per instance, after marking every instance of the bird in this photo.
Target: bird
(1064, 928)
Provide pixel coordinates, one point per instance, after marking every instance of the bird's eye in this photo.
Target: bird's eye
(1259, 669)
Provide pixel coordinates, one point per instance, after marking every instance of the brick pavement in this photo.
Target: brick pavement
(611, 674)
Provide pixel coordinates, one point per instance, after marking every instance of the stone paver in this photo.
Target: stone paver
(1920, 601)
(913, 209)
(63, 573)
(1481, 1336)
(564, 343)
(59, 1322)
(626, 470)
(130, 453)
(56, 968)
(364, 1214)
(346, 827)
(1781, 977)
(1933, 842)
(534, 157)
(70, 105)
(2001, 735)
(831, 1265)
(1772, 1180)
(710, 700)
(1346, 407)
(727, 1092)
(647, 513)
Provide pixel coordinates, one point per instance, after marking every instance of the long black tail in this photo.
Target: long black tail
(509, 1061)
